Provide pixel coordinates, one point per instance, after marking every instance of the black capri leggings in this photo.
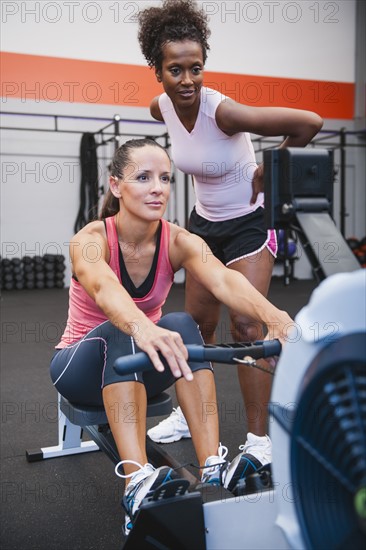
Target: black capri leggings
(81, 370)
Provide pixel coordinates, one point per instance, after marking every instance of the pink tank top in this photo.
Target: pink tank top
(84, 314)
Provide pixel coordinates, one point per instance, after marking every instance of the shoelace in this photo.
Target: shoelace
(142, 472)
(137, 475)
(221, 454)
(222, 451)
(248, 445)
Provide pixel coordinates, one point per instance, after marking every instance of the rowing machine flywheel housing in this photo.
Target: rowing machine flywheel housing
(318, 420)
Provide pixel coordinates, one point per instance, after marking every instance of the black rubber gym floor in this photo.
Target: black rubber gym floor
(73, 503)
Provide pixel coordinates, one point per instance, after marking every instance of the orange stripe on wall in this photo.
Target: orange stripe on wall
(54, 79)
(328, 99)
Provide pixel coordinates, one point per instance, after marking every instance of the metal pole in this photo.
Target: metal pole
(342, 181)
(117, 118)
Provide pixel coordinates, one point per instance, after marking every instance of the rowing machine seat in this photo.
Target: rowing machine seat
(74, 419)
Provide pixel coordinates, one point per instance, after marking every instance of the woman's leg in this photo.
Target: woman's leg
(198, 402)
(204, 308)
(125, 404)
(255, 384)
(198, 397)
(79, 373)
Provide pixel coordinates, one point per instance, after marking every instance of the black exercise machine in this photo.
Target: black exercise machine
(298, 187)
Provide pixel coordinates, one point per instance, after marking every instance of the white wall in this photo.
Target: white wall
(281, 38)
(302, 39)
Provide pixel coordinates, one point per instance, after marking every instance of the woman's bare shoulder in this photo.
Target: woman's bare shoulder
(155, 109)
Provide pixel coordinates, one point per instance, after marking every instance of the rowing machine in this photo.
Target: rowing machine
(318, 418)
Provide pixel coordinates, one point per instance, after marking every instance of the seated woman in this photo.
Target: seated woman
(123, 268)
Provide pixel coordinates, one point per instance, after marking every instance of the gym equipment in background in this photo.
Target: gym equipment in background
(298, 187)
(89, 190)
(33, 272)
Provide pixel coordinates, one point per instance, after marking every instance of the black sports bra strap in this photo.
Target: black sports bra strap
(146, 286)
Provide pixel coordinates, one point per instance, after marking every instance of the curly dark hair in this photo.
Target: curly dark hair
(174, 21)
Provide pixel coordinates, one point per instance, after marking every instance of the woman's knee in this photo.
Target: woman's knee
(244, 330)
(184, 324)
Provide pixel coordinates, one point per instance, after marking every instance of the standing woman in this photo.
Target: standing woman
(210, 140)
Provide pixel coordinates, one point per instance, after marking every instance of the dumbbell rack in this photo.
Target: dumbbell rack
(33, 272)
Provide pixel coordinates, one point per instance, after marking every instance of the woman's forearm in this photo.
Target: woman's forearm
(120, 309)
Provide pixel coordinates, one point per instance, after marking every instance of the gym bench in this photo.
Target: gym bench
(74, 419)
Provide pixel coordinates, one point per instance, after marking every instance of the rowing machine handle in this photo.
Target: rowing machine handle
(198, 353)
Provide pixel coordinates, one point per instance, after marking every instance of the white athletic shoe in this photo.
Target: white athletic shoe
(255, 453)
(171, 429)
(215, 467)
(145, 480)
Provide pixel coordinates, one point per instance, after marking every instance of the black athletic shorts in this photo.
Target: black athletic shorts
(233, 240)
